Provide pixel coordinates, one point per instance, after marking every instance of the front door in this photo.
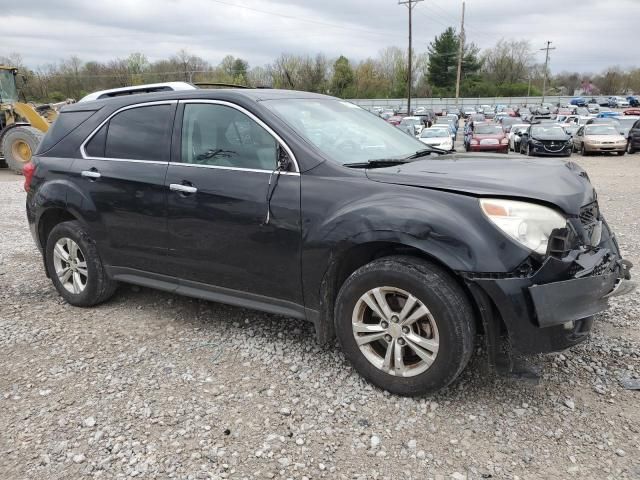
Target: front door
(233, 222)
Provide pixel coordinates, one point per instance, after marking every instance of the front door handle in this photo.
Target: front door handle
(178, 187)
(90, 174)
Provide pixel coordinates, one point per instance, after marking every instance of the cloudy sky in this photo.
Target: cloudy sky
(589, 34)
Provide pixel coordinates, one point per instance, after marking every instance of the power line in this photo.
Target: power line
(410, 4)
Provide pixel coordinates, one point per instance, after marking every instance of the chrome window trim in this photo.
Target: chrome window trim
(83, 152)
(238, 169)
(255, 119)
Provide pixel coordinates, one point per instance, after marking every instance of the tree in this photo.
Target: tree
(342, 79)
(443, 61)
(508, 62)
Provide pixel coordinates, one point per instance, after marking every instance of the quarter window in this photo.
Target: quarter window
(219, 135)
(140, 133)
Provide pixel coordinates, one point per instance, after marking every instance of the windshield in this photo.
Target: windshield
(343, 131)
(410, 121)
(434, 133)
(488, 130)
(551, 132)
(8, 91)
(601, 130)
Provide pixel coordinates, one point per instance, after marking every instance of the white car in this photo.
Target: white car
(437, 137)
(514, 135)
(620, 102)
(412, 125)
(446, 127)
(148, 88)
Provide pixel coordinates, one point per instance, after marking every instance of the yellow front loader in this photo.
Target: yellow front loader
(22, 125)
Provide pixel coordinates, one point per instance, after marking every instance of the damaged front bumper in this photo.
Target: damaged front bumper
(551, 308)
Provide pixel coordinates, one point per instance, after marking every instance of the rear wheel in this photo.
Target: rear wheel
(405, 325)
(19, 144)
(630, 148)
(75, 267)
(621, 153)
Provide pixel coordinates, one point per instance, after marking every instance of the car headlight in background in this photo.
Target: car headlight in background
(529, 224)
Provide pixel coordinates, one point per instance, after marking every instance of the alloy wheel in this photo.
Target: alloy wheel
(395, 331)
(70, 265)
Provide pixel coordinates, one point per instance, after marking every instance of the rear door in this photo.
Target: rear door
(233, 222)
(121, 177)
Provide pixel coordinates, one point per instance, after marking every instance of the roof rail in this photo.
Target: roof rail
(218, 84)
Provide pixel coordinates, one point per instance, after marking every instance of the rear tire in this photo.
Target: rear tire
(630, 149)
(75, 267)
(18, 146)
(445, 325)
(583, 151)
(620, 154)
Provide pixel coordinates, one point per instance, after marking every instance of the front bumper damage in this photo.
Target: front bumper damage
(551, 307)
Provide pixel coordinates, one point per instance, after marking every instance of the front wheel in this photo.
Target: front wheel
(630, 148)
(405, 325)
(583, 151)
(75, 267)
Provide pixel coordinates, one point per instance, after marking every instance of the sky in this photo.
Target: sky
(589, 35)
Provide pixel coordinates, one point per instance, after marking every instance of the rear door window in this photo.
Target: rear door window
(140, 133)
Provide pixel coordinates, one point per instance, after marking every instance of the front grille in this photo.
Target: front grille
(553, 145)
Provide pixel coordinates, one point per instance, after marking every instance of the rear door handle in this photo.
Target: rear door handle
(90, 174)
(178, 187)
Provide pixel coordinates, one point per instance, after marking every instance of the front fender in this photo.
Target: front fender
(446, 226)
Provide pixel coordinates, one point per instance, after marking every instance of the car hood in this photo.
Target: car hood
(564, 184)
(435, 140)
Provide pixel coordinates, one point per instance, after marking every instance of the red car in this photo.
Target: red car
(488, 137)
(395, 120)
(632, 111)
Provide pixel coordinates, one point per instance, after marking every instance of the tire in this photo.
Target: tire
(583, 151)
(98, 287)
(529, 152)
(451, 325)
(18, 146)
(620, 154)
(630, 149)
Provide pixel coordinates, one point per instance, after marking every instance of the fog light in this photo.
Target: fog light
(568, 325)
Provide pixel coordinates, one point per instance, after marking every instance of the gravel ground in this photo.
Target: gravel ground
(152, 385)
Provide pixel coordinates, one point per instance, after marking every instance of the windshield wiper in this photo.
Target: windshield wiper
(377, 162)
(427, 151)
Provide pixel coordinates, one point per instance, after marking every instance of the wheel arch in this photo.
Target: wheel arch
(347, 261)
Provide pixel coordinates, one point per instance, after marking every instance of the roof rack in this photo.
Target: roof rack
(218, 84)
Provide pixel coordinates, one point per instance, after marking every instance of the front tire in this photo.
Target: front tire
(405, 325)
(583, 151)
(630, 149)
(75, 267)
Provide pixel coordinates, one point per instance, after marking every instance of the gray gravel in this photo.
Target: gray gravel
(151, 385)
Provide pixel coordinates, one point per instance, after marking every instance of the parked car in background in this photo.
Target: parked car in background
(547, 140)
(515, 134)
(618, 102)
(599, 138)
(593, 108)
(411, 125)
(602, 101)
(507, 122)
(633, 140)
(578, 101)
(632, 111)
(447, 128)
(395, 120)
(608, 113)
(437, 137)
(633, 101)
(487, 137)
(626, 122)
(477, 118)
(468, 111)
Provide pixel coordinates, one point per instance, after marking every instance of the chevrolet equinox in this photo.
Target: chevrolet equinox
(310, 207)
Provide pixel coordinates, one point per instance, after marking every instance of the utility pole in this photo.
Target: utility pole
(460, 53)
(410, 4)
(546, 66)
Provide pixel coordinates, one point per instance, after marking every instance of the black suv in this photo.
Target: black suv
(310, 207)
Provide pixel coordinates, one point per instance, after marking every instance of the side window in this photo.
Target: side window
(223, 136)
(141, 133)
(95, 146)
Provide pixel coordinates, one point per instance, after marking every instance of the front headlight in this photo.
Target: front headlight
(529, 224)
